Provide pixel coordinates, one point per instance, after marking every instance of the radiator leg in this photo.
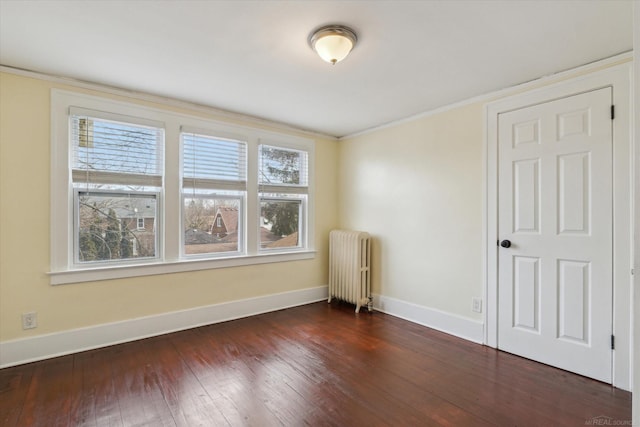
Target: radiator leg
(358, 307)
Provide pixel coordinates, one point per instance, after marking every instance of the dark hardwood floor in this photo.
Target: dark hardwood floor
(314, 365)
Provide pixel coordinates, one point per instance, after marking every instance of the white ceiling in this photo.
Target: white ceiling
(252, 57)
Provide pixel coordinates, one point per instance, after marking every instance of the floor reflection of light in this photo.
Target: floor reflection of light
(279, 379)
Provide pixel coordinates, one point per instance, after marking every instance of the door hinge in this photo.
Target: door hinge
(613, 342)
(613, 112)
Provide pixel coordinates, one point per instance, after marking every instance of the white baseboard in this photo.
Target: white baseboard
(25, 350)
(451, 324)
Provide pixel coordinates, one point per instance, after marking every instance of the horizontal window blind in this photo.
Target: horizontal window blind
(115, 152)
(282, 169)
(213, 163)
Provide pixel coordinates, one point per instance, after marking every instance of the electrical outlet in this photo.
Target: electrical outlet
(476, 305)
(29, 320)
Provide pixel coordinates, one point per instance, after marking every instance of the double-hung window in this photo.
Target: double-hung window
(214, 185)
(283, 191)
(117, 180)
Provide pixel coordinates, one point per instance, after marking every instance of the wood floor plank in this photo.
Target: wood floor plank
(188, 401)
(521, 373)
(223, 374)
(49, 397)
(81, 409)
(14, 386)
(139, 395)
(267, 376)
(317, 365)
(369, 361)
(98, 386)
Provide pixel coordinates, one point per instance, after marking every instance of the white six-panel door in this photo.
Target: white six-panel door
(555, 209)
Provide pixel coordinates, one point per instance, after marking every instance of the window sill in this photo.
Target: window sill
(125, 271)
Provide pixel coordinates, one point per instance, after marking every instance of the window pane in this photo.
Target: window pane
(279, 223)
(107, 146)
(206, 157)
(282, 166)
(108, 226)
(211, 225)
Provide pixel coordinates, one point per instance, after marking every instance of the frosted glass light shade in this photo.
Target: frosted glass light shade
(333, 43)
(333, 48)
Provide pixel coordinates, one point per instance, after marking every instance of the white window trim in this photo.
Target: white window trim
(288, 190)
(62, 266)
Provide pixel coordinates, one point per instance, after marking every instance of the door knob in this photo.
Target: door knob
(505, 243)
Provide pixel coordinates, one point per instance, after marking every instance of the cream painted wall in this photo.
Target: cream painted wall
(24, 236)
(417, 188)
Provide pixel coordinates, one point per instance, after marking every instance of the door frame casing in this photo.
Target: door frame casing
(619, 79)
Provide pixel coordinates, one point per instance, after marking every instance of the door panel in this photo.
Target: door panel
(573, 193)
(574, 285)
(526, 293)
(555, 206)
(526, 197)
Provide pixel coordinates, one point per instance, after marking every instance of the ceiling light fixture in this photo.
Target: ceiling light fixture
(333, 42)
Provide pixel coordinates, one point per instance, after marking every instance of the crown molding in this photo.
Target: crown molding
(500, 93)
